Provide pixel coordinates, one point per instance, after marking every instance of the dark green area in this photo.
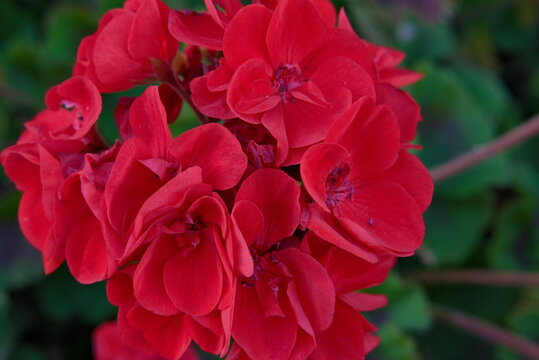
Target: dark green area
(481, 64)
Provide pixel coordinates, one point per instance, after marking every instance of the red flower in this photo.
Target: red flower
(130, 46)
(68, 123)
(349, 335)
(151, 158)
(289, 297)
(77, 221)
(294, 77)
(167, 335)
(109, 345)
(189, 265)
(368, 196)
(47, 152)
(38, 174)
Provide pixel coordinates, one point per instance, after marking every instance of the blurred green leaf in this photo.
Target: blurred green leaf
(28, 353)
(455, 227)
(456, 122)
(62, 45)
(63, 298)
(395, 345)
(408, 306)
(514, 241)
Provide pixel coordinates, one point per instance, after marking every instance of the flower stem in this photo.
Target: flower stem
(483, 152)
(487, 331)
(477, 277)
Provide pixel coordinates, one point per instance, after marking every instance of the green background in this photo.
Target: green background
(481, 64)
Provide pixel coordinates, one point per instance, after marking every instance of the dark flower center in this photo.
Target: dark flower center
(338, 186)
(287, 77)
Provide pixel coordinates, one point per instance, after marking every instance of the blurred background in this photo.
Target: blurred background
(481, 64)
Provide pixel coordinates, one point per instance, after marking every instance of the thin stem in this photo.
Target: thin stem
(481, 277)
(483, 152)
(486, 331)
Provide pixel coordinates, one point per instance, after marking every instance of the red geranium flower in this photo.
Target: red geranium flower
(129, 47)
(151, 158)
(109, 345)
(292, 73)
(368, 196)
(290, 297)
(51, 149)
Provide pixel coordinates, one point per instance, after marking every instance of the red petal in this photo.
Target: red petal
(251, 91)
(230, 9)
(194, 278)
(149, 36)
(86, 252)
(277, 196)
(209, 102)
(245, 36)
(364, 302)
(327, 11)
(109, 345)
(120, 287)
(388, 214)
(314, 287)
(294, 31)
(412, 175)
(86, 99)
(196, 29)
(400, 77)
(171, 340)
(405, 108)
(130, 183)
(328, 228)
(113, 63)
(377, 146)
(249, 322)
(344, 338)
(148, 281)
(148, 120)
(216, 150)
(273, 120)
(344, 22)
(335, 42)
(347, 271)
(247, 224)
(334, 73)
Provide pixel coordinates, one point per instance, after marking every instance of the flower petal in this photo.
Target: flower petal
(216, 150)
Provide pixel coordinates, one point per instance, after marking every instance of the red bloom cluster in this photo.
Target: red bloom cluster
(250, 234)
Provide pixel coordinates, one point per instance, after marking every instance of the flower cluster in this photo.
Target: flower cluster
(250, 234)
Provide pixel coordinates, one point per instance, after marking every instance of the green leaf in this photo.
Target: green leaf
(67, 25)
(395, 345)
(515, 239)
(455, 123)
(407, 304)
(63, 298)
(455, 227)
